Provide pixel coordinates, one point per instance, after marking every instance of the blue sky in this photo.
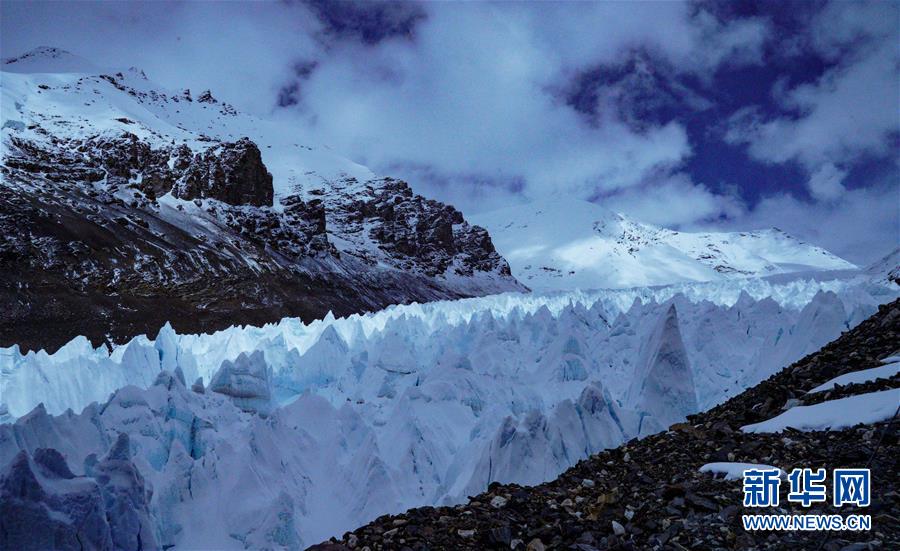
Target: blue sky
(712, 115)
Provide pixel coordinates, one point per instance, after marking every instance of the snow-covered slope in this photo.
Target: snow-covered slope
(569, 243)
(45, 59)
(320, 427)
(185, 209)
(886, 270)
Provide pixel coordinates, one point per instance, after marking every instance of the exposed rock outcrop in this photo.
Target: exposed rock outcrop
(419, 234)
(124, 205)
(233, 173)
(89, 241)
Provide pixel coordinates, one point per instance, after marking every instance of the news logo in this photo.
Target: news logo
(807, 486)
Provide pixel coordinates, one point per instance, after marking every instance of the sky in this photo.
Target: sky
(694, 115)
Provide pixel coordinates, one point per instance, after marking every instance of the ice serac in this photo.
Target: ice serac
(125, 498)
(822, 320)
(247, 380)
(662, 388)
(533, 449)
(44, 505)
(413, 405)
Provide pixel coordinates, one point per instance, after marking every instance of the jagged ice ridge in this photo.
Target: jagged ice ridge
(323, 426)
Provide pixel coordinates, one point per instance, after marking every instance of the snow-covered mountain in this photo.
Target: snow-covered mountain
(323, 426)
(567, 243)
(125, 205)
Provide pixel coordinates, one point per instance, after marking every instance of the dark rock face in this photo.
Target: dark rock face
(89, 247)
(649, 493)
(127, 159)
(232, 173)
(419, 233)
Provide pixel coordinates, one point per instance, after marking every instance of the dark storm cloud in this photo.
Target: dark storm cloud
(371, 21)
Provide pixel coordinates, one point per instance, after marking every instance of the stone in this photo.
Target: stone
(498, 502)
(501, 535)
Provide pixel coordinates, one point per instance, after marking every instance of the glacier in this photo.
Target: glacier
(321, 427)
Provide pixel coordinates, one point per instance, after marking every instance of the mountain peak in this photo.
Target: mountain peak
(566, 243)
(48, 59)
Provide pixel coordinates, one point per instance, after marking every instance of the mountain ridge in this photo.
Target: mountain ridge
(128, 206)
(568, 243)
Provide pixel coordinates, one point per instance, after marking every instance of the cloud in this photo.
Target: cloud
(675, 201)
(371, 21)
(841, 115)
(847, 114)
(825, 182)
(594, 33)
(840, 26)
(243, 51)
(461, 93)
(475, 97)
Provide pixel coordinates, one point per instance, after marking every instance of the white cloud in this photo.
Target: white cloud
(841, 25)
(243, 51)
(825, 182)
(674, 201)
(598, 33)
(848, 113)
(474, 96)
